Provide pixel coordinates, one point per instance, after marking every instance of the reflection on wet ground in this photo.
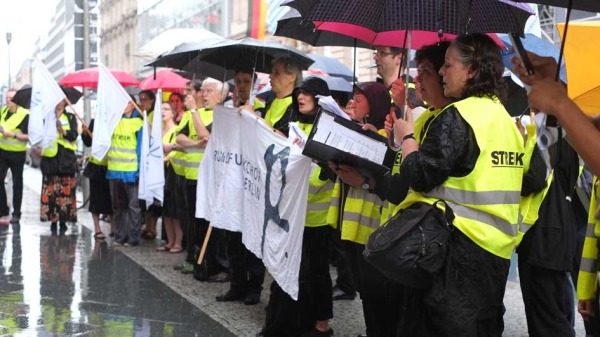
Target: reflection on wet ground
(70, 285)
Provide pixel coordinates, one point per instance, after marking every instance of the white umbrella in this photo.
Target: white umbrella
(166, 41)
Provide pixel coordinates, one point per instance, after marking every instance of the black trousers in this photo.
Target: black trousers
(344, 279)
(247, 270)
(380, 297)
(15, 161)
(289, 318)
(544, 292)
(466, 298)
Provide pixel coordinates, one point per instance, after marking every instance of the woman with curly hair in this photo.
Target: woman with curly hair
(470, 157)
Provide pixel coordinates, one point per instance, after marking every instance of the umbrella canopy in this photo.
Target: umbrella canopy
(88, 78)
(292, 25)
(454, 17)
(334, 83)
(583, 5)
(169, 39)
(517, 103)
(259, 54)
(581, 58)
(165, 79)
(183, 53)
(535, 45)
(23, 96)
(331, 66)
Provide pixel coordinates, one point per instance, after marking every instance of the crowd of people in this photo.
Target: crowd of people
(459, 153)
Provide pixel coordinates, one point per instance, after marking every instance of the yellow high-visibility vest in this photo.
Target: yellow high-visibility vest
(193, 155)
(176, 157)
(52, 149)
(12, 124)
(122, 155)
(277, 109)
(587, 282)
(486, 201)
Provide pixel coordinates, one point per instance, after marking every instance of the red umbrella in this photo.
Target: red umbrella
(166, 80)
(89, 78)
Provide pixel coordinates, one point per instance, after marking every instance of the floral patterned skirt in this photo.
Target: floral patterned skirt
(59, 202)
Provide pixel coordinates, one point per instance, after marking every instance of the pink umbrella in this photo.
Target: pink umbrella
(88, 78)
(166, 80)
(394, 38)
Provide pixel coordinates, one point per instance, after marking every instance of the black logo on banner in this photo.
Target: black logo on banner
(272, 211)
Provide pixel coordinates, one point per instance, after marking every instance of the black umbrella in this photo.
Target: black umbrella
(454, 17)
(332, 67)
(248, 51)
(516, 103)
(23, 96)
(185, 57)
(583, 5)
(293, 26)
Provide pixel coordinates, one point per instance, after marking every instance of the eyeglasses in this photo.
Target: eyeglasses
(381, 54)
(143, 99)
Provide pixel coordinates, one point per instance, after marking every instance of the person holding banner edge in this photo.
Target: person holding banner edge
(310, 315)
(14, 121)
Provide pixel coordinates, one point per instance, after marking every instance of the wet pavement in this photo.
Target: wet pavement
(72, 285)
(67, 285)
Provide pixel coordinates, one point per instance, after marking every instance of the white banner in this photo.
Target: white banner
(45, 95)
(112, 100)
(152, 169)
(254, 181)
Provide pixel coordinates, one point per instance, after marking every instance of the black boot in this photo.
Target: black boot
(63, 227)
(53, 227)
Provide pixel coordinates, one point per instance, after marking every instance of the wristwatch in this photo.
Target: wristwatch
(365, 185)
(194, 110)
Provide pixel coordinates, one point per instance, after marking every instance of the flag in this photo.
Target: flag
(45, 95)
(152, 170)
(257, 20)
(112, 100)
(259, 188)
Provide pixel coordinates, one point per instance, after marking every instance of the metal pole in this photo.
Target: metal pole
(8, 39)
(86, 64)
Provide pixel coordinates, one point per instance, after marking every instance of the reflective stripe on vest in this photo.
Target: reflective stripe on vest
(486, 201)
(319, 198)
(361, 216)
(100, 162)
(587, 281)
(52, 149)
(12, 124)
(193, 155)
(176, 157)
(122, 155)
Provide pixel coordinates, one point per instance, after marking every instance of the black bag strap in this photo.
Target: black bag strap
(449, 213)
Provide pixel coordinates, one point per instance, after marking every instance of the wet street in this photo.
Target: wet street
(72, 285)
(68, 285)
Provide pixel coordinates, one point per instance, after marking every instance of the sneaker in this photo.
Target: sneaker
(187, 269)
(180, 266)
(5, 220)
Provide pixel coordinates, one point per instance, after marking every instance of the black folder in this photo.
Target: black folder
(325, 153)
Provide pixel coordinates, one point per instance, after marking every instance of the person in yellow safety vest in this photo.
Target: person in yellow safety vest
(151, 212)
(548, 206)
(123, 174)
(429, 60)
(587, 282)
(470, 156)
(58, 198)
(310, 314)
(193, 97)
(277, 113)
(14, 121)
(356, 211)
(170, 207)
(176, 99)
(95, 171)
(193, 139)
(247, 270)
